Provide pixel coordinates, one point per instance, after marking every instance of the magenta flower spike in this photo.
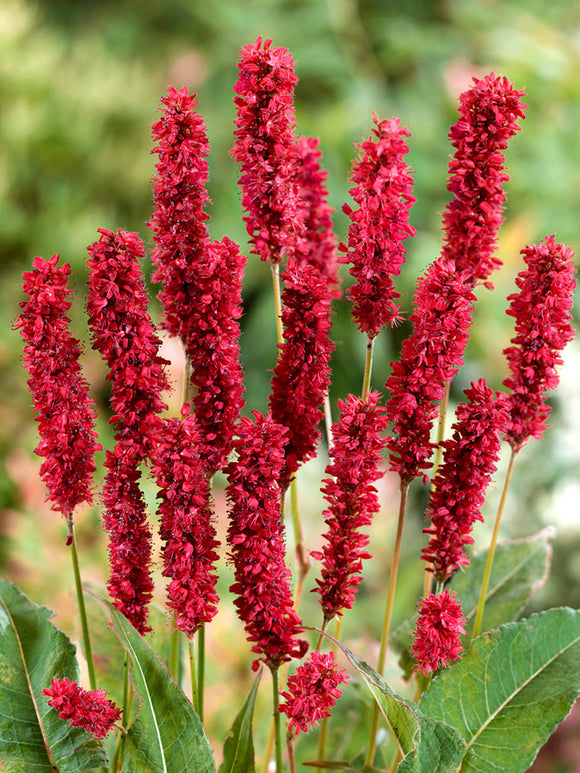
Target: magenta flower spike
(180, 198)
(430, 357)
(188, 534)
(312, 692)
(458, 490)
(302, 372)
(64, 411)
(355, 463)
(265, 148)
(543, 325)
(383, 192)
(439, 626)
(257, 546)
(489, 112)
(89, 709)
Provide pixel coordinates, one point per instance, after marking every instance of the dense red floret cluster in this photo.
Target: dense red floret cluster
(489, 112)
(458, 490)
(430, 357)
(89, 709)
(312, 691)
(64, 411)
(179, 194)
(379, 226)
(257, 547)
(187, 531)
(543, 317)
(318, 244)
(266, 149)
(355, 463)
(212, 343)
(302, 372)
(437, 634)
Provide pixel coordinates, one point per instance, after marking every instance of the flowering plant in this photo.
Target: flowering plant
(470, 686)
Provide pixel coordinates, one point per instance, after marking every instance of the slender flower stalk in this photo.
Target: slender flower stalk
(91, 710)
(439, 626)
(355, 463)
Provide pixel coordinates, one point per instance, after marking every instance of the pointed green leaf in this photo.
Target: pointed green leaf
(508, 693)
(239, 745)
(167, 736)
(33, 652)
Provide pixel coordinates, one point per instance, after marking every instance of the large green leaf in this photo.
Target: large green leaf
(33, 652)
(167, 736)
(508, 693)
(239, 745)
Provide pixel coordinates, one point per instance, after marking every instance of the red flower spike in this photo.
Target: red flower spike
(257, 546)
(379, 226)
(543, 317)
(318, 245)
(437, 634)
(64, 411)
(89, 709)
(179, 194)
(302, 373)
(266, 150)
(458, 490)
(355, 463)
(312, 691)
(430, 357)
(189, 537)
(489, 112)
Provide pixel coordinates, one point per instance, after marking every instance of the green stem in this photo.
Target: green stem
(387, 618)
(82, 608)
(277, 722)
(489, 563)
(302, 559)
(290, 746)
(200, 669)
(119, 753)
(277, 301)
(368, 366)
(193, 674)
(174, 655)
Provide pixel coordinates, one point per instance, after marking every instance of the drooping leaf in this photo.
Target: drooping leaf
(167, 735)
(239, 745)
(509, 692)
(33, 652)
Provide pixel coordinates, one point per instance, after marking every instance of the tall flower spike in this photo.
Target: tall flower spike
(302, 373)
(265, 148)
(89, 709)
(542, 312)
(179, 220)
(64, 411)
(437, 634)
(257, 547)
(458, 490)
(312, 691)
(355, 463)
(489, 112)
(379, 226)
(430, 357)
(189, 537)
(318, 245)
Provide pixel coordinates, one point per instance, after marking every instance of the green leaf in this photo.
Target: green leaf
(239, 745)
(508, 693)
(33, 652)
(167, 735)
(427, 745)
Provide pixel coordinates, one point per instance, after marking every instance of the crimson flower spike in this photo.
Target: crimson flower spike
(543, 325)
(439, 626)
(430, 357)
(302, 373)
(265, 148)
(458, 490)
(124, 334)
(188, 534)
(489, 112)
(89, 709)
(382, 190)
(64, 411)
(355, 463)
(257, 546)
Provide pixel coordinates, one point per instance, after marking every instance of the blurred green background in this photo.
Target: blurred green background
(80, 84)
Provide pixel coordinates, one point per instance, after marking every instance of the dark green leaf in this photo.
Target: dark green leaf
(239, 745)
(508, 693)
(32, 653)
